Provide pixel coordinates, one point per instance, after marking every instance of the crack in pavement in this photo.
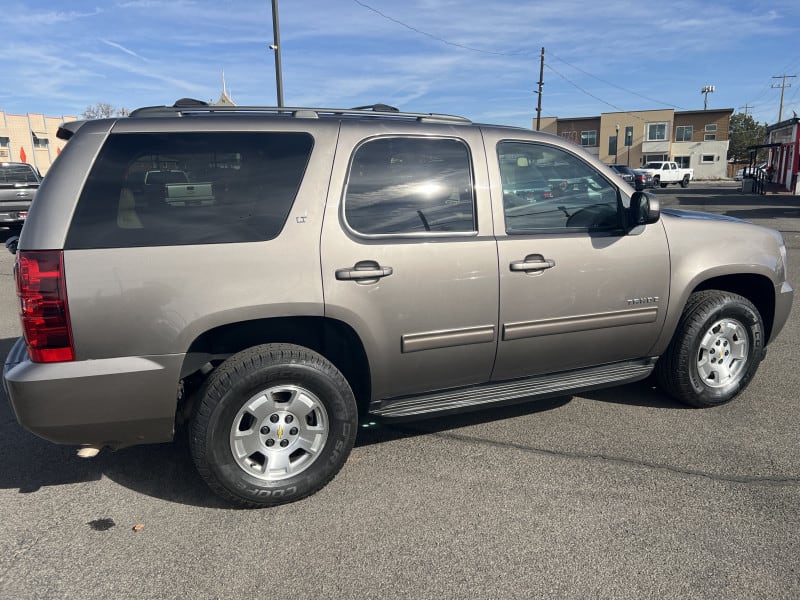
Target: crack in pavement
(743, 479)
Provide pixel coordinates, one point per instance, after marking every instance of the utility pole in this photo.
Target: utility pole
(746, 108)
(276, 47)
(707, 89)
(541, 83)
(783, 85)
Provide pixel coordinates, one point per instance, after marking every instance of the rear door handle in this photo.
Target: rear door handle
(532, 262)
(365, 271)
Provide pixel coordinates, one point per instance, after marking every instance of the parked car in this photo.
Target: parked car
(666, 173)
(18, 185)
(635, 177)
(642, 179)
(625, 173)
(357, 264)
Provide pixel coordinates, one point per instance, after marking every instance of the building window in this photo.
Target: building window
(572, 136)
(683, 133)
(588, 138)
(4, 142)
(712, 127)
(709, 137)
(629, 135)
(612, 145)
(40, 142)
(656, 132)
(653, 158)
(682, 161)
(707, 158)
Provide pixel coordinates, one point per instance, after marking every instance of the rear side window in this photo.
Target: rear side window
(171, 189)
(410, 186)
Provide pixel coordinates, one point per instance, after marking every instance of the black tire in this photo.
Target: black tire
(291, 380)
(656, 181)
(685, 182)
(663, 185)
(726, 322)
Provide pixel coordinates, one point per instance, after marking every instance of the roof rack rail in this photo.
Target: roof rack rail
(190, 106)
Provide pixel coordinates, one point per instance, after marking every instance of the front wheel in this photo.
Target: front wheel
(274, 424)
(715, 351)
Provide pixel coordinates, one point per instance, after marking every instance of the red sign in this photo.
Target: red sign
(22, 156)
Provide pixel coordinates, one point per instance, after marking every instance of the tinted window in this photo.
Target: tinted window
(410, 186)
(547, 188)
(17, 173)
(168, 189)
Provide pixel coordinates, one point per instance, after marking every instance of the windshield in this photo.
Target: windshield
(20, 173)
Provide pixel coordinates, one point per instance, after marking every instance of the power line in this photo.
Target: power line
(619, 87)
(433, 37)
(514, 53)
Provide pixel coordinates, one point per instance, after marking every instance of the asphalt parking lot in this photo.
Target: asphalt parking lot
(620, 493)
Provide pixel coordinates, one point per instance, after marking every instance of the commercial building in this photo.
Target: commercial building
(784, 139)
(31, 138)
(696, 139)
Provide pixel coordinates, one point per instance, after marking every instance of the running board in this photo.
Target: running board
(508, 392)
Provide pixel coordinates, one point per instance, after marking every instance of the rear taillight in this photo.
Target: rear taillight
(42, 296)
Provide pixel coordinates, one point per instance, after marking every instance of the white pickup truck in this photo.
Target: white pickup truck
(664, 173)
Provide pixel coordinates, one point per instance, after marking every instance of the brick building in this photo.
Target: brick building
(696, 139)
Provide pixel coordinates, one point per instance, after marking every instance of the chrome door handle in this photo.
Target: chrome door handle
(363, 270)
(533, 262)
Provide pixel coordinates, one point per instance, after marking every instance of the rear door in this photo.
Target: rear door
(408, 256)
(576, 290)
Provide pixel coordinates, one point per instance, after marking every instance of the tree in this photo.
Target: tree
(104, 110)
(744, 131)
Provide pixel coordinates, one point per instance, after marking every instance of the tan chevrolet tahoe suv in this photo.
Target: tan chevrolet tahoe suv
(312, 267)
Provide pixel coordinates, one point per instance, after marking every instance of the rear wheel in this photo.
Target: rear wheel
(715, 351)
(656, 181)
(685, 181)
(274, 424)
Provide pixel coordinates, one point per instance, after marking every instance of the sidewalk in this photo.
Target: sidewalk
(777, 188)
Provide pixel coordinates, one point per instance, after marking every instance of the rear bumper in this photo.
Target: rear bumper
(14, 211)
(114, 402)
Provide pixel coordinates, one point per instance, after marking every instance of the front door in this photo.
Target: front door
(408, 257)
(576, 290)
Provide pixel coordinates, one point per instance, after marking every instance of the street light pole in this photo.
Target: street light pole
(276, 47)
(616, 144)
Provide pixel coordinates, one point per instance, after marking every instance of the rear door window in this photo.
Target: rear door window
(169, 189)
(411, 186)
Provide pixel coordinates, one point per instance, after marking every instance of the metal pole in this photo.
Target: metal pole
(541, 83)
(276, 47)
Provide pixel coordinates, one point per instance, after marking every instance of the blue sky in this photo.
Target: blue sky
(475, 58)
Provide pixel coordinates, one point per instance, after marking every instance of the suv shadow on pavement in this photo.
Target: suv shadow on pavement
(165, 471)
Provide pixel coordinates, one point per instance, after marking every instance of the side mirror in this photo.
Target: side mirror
(645, 209)
(12, 243)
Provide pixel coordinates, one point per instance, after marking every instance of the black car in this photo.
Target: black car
(633, 177)
(624, 172)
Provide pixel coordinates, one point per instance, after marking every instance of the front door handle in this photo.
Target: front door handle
(366, 271)
(532, 262)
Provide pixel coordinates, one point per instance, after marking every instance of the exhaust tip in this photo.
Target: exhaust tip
(88, 452)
